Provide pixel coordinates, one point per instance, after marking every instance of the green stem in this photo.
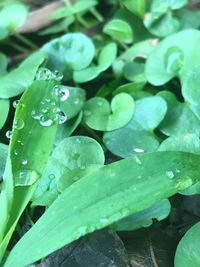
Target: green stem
(28, 218)
(96, 14)
(17, 47)
(26, 41)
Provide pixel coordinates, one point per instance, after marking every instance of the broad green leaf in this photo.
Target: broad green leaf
(4, 109)
(137, 135)
(158, 211)
(137, 7)
(113, 192)
(73, 153)
(101, 116)
(180, 118)
(24, 167)
(187, 253)
(16, 81)
(3, 157)
(72, 51)
(12, 16)
(160, 63)
(186, 143)
(119, 30)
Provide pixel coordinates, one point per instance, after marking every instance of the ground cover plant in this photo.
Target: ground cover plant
(99, 133)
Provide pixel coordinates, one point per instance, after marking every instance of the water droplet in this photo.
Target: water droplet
(44, 110)
(51, 176)
(103, 220)
(45, 121)
(35, 115)
(18, 124)
(174, 59)
(47, 100)
(16, 152)
(138, 150)
(15, 103)
(24, 161)
(87, 113)
(60, 117)
(60, 92)
(99, 103)
(76, 101)
(9, 134)
(44, 74)
(82, 167)
(137, 160)
(26, 177)
(170, 174)
(58, 75)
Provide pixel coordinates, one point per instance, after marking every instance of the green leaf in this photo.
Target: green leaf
(111, 193)
(16, 81)
(137, 135)
(158, 70)
(119, 30)
(158, 211)
(3, 64)
(137, 7)
(86, 75)
(161, 24)
(24, 167)
(75, 154)
(72, 51)
(187, 253)
(180, 117)
(4, 110)
(134, 72)
(98, 116)
(3, 157)
(12, 16)
(74, 102)
(78, 7)
(107, 56)
(164, 5)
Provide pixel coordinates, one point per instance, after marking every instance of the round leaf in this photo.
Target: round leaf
(72, 51)
(99, 115)
(119, 30)
(187, 253)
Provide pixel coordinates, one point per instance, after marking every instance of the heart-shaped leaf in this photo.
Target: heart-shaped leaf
(100, 116)
(137, 135)
(72, 51)
(119, 30)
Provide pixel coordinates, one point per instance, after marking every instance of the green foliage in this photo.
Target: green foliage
(109, 80)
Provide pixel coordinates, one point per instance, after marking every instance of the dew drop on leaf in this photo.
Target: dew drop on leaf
(51, 176)
(26, 177)
(58, 75)
(15, 103)
(174, 59)
(9, 134)
(138, 150)
(170, 174)
(24, 161)
(45, 121)
(60, 117)
(60, 92)
(18, 124)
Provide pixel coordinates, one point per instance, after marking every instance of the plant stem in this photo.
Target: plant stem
(26, 41)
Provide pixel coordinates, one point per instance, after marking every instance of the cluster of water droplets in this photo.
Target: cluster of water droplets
(45, 74)
(50, 111)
